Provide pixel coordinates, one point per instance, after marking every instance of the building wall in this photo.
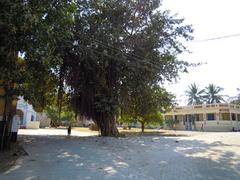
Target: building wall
(29, 115)
(44, 120)
(216, 126)
(83, 121)
(210, 117)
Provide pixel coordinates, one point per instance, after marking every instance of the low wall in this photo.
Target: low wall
(33, 125)
(44, 120)
(218, 126)
(180, 126)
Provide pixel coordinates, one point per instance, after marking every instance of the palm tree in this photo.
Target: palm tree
(195, 96)
(212, 94)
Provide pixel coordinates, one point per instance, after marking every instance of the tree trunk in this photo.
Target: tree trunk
(9, 111)
(7, 90)
(107, 125)
(142, 126)
(9, 125)
(4, 125)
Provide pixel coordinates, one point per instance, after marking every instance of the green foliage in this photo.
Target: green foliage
(65, 115)
(125, 118)
(146, 104)
(100, 52)
(194, 95)
(34, 29)
(212, 94)
(117, 51)
(208, 95)
(153, 118)
(119, 46)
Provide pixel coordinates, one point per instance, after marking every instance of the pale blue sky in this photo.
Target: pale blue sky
(210, 19)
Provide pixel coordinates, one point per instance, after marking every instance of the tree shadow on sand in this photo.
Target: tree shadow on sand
(140, 157)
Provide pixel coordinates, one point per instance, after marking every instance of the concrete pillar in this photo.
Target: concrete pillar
(186, 122)
(217, 116)
(25, 117)
(205, 117)
(220, 116)
(238, 128)
(204, 121)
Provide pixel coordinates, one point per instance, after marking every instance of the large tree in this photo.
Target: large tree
(100, 50)
(33, 29)
(118, 46)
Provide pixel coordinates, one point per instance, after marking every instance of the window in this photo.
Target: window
(226, 116)
(175, 118)
(197, 116)
(32, 118)
(238, 117)
(234, 117)
(210, 117)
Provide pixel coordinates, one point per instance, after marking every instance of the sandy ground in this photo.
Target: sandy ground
(55, 132)
(199, 155)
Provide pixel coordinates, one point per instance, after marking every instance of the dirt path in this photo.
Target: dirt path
(8, 158)
(197, 156)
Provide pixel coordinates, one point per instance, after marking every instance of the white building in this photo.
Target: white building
(207, 117)
(27, 114)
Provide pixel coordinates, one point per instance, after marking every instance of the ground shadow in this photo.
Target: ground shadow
(138, 157)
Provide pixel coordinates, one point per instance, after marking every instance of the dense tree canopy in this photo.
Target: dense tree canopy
(117, 47)
(98, 52)
(31, 29)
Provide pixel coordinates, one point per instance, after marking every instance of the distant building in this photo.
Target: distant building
(45, 121)
(83, 121)
(206, 117)
(28, 117)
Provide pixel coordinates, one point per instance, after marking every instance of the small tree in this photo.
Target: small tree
(153, 118)
(146, 104)
(66, 115)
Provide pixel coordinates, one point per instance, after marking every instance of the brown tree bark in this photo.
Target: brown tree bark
(9, 112)
(4, 125)
(142, 126)
(107, 125)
